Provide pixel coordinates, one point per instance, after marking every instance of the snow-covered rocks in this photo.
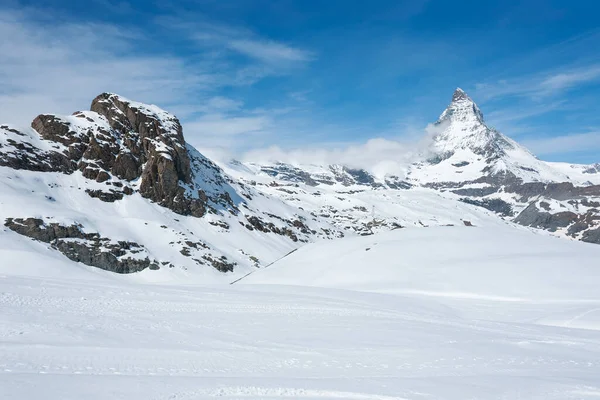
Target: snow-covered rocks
(89, 168)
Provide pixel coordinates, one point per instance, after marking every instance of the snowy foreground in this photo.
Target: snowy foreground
(433, 313)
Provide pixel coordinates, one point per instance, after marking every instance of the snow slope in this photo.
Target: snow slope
(358, 207)
(60, 198)
(495, 261)
(429, 322)
(588, 174)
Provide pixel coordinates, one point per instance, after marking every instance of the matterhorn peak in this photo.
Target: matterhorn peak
(461, 126)
(463, 109)
(460, 94)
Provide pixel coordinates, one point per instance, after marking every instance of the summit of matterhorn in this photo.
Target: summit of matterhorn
(465, 149)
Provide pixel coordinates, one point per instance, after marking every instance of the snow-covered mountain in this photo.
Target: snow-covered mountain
(118, 188)
(469, 161)
(465, 149)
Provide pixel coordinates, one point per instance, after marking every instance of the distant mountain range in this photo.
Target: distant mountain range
(118, 188)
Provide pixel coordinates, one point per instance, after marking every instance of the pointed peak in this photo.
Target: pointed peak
(460, 94)
(462, 108)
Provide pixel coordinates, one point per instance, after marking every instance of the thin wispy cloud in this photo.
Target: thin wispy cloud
(540, 85)
(571, 78)
(239, 40)
(269, 51)
(379, 156)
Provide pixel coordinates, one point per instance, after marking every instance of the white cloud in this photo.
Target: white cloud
(379, 156)
(269, 51)
(565, 80)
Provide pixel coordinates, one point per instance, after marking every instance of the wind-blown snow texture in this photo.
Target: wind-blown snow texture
(441, 313)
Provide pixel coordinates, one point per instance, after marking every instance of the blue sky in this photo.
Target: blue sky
(249, 74)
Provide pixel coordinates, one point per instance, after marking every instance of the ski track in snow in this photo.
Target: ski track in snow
(98, 339)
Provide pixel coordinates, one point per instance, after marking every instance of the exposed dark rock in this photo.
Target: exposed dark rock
(118, 138)
(88, 248)
(19, 153)
(109, 197)
(592, 169)
(126, 166)
(35, 228)
(461, 164)
(221, 264)
(257, 223)
(52, 128)
(558, 191)
(590, 203)
(591, 236)
(394, 182)
(536, 218)
(360, 176)
(496, 205)
(289, 173)
(160, 145)
(220, 224)
(103, 176)
(476, 192)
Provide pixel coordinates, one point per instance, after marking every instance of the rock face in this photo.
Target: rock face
(118, 140)
(156, 152)
(579, 219)
(88, 248)
(24, 150)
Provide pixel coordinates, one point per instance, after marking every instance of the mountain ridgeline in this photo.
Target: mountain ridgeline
(118, 188)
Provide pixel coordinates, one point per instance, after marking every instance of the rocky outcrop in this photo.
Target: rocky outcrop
(498, 206)
(157, 152)
(558, 190)
(536, 218)
(591, 236)
(580, 221)
(20, 150)
(91, 249)
(118, 140)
